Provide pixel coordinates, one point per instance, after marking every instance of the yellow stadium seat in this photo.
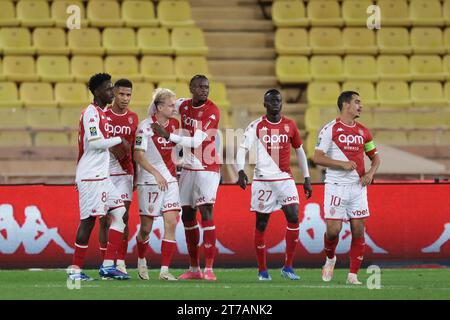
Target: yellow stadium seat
(292, 41)
(13, 118)
(59, 12)
(393, 41)
(85, 41)
(427, 67)
(19, 68)
(154, 41)
(15, 139)
(70, 118)
(16, 41)
(83, 67)
(186, 67)
(2, 76)
(289, 14)
(360, 67)
(8, 14)
(120, 41)
(324, 13)
(174, 14)
(427, 40)
(354, 12)
(189, 41)
(391, 119)
(139, 13)
(391, 137)
(326, 41)
(292, 69)
(424, 120)
(50, 41)
(54, 68)
(444, 120)
(323, 94)
(34, 13)
(43, 118)
(123, 67)
(447, 39)
(366, 92)
(394, 13)
(9, 96)
(422, 137)
(427, 94)
(359, 41)
(158, 68)
(393, 94)
(51, 139)
(316, 118)
(327, 68)
(446, 12)
(181, 89)
(447, 91)
(393, 67)
(104, 13)
(426, 13)
(37, 95)
(142, 95)
(218, 94)
(71, 95)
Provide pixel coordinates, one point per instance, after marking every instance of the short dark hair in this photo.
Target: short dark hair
(345, 96)
(272, 91)
(198, 77)
(96, 81)
(123, 83)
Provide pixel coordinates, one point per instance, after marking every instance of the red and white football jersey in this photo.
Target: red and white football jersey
(346, 143)
(205, 118)
(92, 164)
(158, 151)
(273, 147)
(122, 125)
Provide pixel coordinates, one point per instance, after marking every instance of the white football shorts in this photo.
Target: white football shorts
(198, 187)
(270, 196)
(345, 202)
(154, 202)
(124, 186)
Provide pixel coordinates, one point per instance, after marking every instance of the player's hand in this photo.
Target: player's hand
(307, 188)
(126, 145)
(134, 186)
(160, 131)
(349, 165)
(162, 183)
(366, 179)
(242, 180)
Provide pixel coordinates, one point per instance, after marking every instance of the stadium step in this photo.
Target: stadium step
(244, 73)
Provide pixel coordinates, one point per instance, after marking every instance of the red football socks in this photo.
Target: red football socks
(167, 250)
(122, 250)
(356, 254)
(103, 249)
(209, 242)
(78, 255)
(192, 232)
(114, 243)
(142, 247)
(292, 232)
(330, 246)
(260, 248)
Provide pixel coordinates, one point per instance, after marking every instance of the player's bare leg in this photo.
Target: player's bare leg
(81, 245)
(209, 239)
(168, 244)
(262, 220)
(104, 222)
(142, 239)
(124, 245)
(331, 239)
(357, 249)
(192, 232)
(292, 233)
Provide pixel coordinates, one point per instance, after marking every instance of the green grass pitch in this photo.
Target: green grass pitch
(232, 284)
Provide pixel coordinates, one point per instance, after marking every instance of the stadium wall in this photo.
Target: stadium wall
(408, 223)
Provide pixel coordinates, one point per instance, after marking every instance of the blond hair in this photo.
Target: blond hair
(159, 96)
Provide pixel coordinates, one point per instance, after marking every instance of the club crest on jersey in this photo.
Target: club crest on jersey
(361, 132)
(91, 120)
(151, 208)
(200, 114)
(130, 120)
(286, 128)
(138, 140)
(93, 131)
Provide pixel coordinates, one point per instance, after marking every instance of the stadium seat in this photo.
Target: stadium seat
(424, 120)
(139, 13)
(34, 13)
(359, 41)
(54, 68)
(292, 69)
(447, 91)
(70, 118)
(123, 67)
(43, 118)
(16, 41)
(446, 65)
(354, 12)
(316, 118)
(15, 139)
(427, 67)
(187, 67)
(393, 67)
(446, 12)
(71, 95)
(360, 67)
(292, 41)
(142, 95)
(157, 68)
(391, 119)
(447, 39)
(85, 41)
(427, 94)
(289, 14)
(37, 95)
(9, 95)
(323, 94)
(391, 137)
(311, 142)
(174, 14)
(60, 15)
(189, 41)
(104, 13)
(326, 41)
(120, 41)
(13, 118)
(154, 41)
(51, 139)
(426, 13)
(218, 94)
(19, 68)
(50, 41)
(327, 68)
(83, 67)
(394, 13)
(393, 41)
(366, 90)
(324, 13)
(444, 120)
(393, 94)
(427, 41)
(8, 14)
(181, 89)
